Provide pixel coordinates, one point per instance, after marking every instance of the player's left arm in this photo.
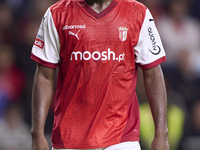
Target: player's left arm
(156, 94)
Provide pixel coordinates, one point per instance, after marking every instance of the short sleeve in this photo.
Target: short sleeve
(149, 50)
(46, 47)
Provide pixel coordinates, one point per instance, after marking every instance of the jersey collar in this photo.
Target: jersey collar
(96, 15)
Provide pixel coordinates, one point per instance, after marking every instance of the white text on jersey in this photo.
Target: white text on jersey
(67, 27)
(104, 55)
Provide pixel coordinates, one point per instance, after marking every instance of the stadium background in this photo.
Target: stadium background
(178, 24)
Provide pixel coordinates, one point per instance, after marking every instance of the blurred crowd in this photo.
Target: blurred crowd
(178, 24)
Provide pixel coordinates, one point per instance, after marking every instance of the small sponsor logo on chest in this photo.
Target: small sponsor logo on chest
(67, 27)
(73, 32)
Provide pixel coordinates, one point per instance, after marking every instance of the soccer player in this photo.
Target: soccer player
(97, 46)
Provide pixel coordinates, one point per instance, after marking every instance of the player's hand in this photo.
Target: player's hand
(39, 142)
(160, 143)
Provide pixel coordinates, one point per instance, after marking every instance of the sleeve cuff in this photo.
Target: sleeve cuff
(42, 62)
(153, 64)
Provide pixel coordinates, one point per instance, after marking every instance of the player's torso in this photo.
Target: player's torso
(97, 50)
(97, 68)
(88, 37)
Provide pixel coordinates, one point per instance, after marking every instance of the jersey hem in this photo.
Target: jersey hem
(77, 147)
(136, 139)
(42, 62)
(81, 146)
(128, 139)
(153, 64)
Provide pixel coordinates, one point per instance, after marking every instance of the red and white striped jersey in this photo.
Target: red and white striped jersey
(97, 55)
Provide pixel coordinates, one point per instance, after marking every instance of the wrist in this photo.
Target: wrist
(37, 133)
(161, 132)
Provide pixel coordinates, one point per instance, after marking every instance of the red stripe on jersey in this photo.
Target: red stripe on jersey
(132, 130)
(44, 63)
(153, 64)
(39, 43)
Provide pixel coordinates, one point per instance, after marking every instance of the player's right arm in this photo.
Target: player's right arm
(45, 52)
(41, 99)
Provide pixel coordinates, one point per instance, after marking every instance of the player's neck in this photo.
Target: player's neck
(98, 5)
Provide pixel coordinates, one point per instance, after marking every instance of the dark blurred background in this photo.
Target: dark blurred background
(178, 24)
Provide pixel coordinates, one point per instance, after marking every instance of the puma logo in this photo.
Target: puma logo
(76, 35)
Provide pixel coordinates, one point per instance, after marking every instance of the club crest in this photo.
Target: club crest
(123, 33)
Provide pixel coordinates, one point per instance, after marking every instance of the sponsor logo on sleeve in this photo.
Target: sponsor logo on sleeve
(39, 37)
(44, 18)
(39, 43)
(155, 48)
(123, 33)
